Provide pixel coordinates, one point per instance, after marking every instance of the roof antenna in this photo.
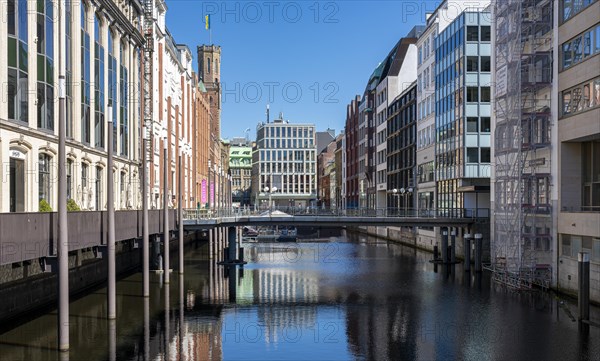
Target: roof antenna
(267, 113)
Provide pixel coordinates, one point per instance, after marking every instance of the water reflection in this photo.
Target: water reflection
(362, 299)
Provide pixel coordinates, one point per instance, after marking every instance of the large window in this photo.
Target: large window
(45, 65)
(572, 245)
(17, 60)
(112, 88)
(472, 33)
(581, 97)
(98, 85)
(472, 94)
(581, 47)
(69, 66)
(591, 176)
(124, 106)
(44, 177)
(85, 78)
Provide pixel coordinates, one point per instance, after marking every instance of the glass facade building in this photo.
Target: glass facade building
(462, 113)
(285, 158)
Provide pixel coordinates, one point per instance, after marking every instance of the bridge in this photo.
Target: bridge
(194, 219)
(33, 236)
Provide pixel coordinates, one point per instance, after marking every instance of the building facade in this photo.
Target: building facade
(325, 171)
(240, 167)
(351, 154)
(103, 45)
(524, 177)
(578, 142)
(462, 114)
(284, 165)
(401, 150)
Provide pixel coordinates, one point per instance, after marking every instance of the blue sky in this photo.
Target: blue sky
(308, 59)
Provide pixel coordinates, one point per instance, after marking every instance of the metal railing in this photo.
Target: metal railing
(468, 213)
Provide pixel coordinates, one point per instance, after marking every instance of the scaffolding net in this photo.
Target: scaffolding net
(522, 218)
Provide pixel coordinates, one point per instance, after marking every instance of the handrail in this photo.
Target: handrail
(466, 213)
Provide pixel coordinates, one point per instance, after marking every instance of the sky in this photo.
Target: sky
(307, 59)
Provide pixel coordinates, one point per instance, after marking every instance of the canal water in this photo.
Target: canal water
(348, 298)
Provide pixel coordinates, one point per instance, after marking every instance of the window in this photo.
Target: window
(485, 155)
(581, 47)
(472, 155)
(486, 33)
(591, 175)
(69, 179)
(208, 65)
(124, 105)
(581, 97)
(99, 189)
(44, 177)
(485, 124)
(486, 64)
(472, 94)
(472, 124)
(45, 68)
(85, 78)
(69, 68)
(98, 85)
(17, 60)
(112, 88)
(485, 94)
(472, 33)
(573, 7)
(472, 63)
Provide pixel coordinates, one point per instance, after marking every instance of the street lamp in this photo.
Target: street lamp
(395, 192)
(270, 191)
(409, 191)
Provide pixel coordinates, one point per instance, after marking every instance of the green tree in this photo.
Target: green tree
(72, 206)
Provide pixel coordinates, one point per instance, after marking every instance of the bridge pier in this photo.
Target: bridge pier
(445, 245)
(467, 251)
(478, 251)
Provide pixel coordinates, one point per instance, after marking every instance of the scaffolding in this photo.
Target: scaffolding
(522, 225)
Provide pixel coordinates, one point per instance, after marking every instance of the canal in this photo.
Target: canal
(349, 298)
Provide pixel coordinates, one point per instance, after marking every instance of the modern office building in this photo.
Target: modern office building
(462, 115)
(240, 168)
(578, 143)
(284, 164)
(366, 145)
(525, 148)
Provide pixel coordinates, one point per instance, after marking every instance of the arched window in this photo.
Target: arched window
(98, 192)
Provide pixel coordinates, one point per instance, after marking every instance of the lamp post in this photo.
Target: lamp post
(180, 208)
(110, 208)
(166, 206)
(270, 191)
(395, 193)
(209, 183)
(62, 250)
(409, 191)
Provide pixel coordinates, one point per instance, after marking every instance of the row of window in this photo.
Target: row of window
(571, 8)
(581, 47)
(17, 51)
(285, 155)
(581, 97)
(426, 106)
(572, 245)
(426, 49)
(286, 132)
(286, 143)
(426, 137)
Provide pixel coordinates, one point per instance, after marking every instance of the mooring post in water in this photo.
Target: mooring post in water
(478, 251)
(467, 251)
(453, 246)
(110, 210)
(435, 252)
(232, 243)
(445, 245)
(210, 244)
(584, 286)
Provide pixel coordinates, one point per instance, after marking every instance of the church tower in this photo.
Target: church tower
(209, 72)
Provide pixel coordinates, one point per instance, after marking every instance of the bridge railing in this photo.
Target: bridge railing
(471, 213)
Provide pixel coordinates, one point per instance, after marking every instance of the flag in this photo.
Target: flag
(207, 22)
